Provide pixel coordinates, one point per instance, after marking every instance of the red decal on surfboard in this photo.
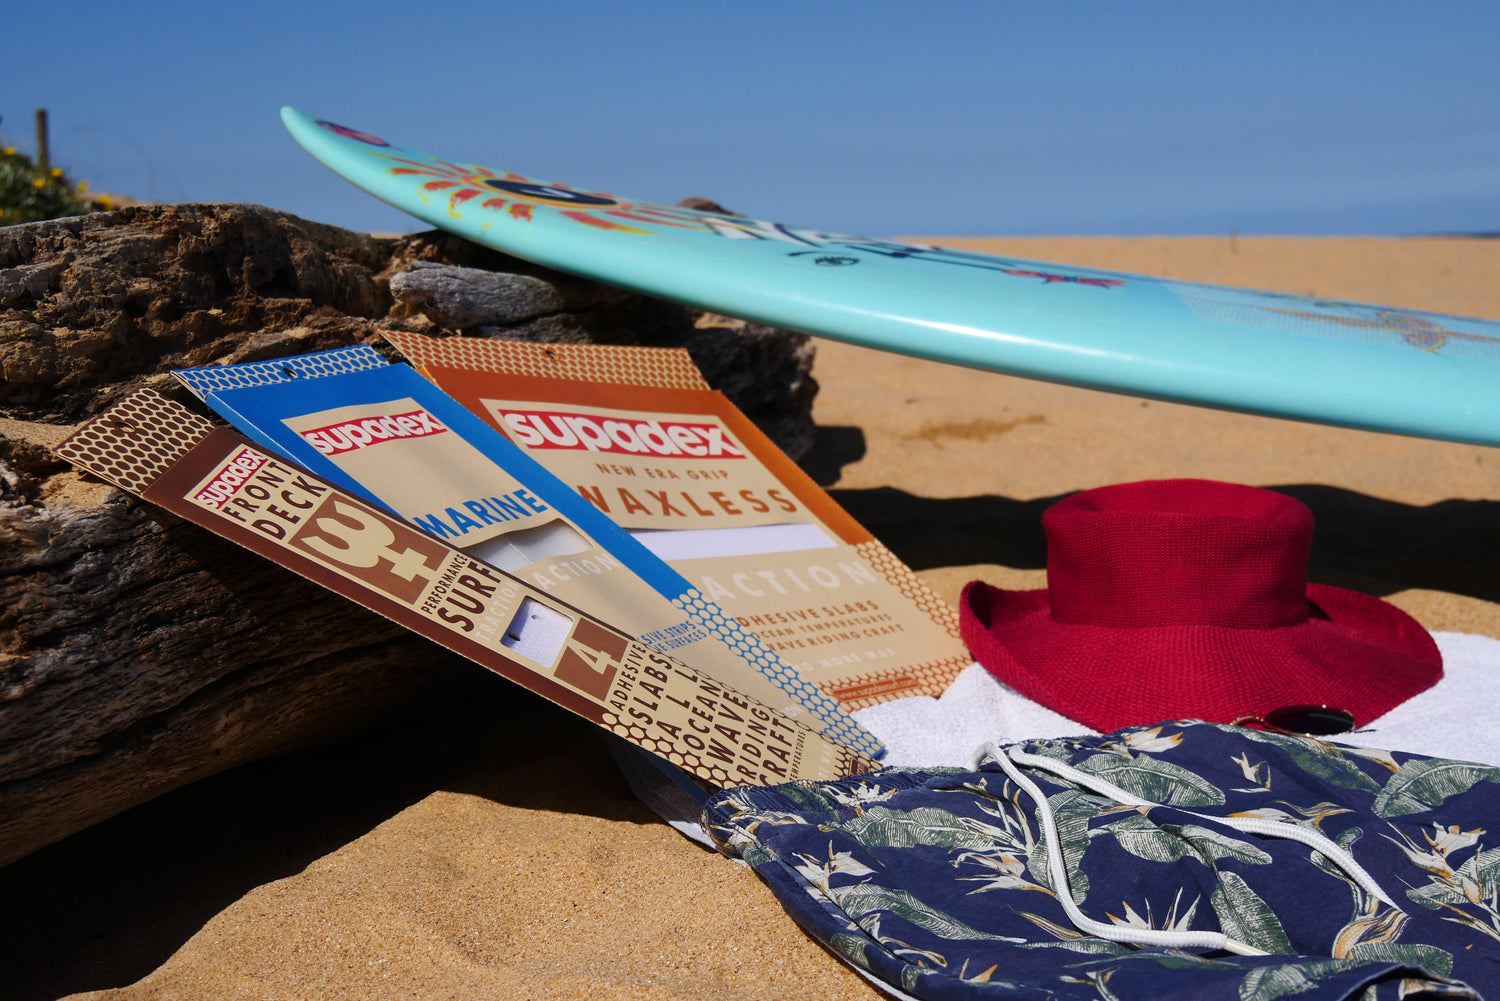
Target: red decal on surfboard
(1048, 277)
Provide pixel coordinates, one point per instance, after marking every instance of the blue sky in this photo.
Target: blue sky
(878, 118)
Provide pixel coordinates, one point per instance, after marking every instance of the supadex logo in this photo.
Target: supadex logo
(552, 429)
(347, 436)
(240, 467)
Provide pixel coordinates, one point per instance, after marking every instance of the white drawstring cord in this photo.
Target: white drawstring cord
(1058, 870)
(1057, 867)
(1106, 789)
(1314, 839)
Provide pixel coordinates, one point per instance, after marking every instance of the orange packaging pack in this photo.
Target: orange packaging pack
(640, 435)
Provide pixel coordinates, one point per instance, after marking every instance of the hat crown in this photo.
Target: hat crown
(1178, 553)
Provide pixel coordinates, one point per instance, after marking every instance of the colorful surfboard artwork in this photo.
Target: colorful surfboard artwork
(1342, 363)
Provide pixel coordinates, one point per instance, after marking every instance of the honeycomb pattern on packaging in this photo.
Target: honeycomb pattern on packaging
(908, 583)
(214, 378)
(612, 364)
(837, 723)
(697, 764)
(134, 441)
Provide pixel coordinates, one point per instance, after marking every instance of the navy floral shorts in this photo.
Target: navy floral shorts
(1185, 860)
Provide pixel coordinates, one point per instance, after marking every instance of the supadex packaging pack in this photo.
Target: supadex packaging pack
(385, 433)
(638, 433)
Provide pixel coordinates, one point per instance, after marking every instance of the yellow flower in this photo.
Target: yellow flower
(55, 172)
(106, 201)
(38, 182)
(83, 186)
(8, 151)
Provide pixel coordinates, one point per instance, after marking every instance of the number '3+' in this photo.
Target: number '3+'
(356, 539)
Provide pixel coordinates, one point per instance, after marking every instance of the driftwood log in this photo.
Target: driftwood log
(138, 652)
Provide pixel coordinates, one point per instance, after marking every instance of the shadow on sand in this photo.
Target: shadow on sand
(108, 905)
(1363, 542)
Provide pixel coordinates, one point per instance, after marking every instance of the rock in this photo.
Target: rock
(139, 652)
(462, 298)
(764, 370)
(110, 298)
(95, 304)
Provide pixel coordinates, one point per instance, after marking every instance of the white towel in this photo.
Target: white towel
(977, 708)
(1459, 717)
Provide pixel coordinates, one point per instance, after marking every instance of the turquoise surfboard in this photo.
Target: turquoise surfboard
(1332, 362)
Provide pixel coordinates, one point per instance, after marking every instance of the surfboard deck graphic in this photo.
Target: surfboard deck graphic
(1333, 362)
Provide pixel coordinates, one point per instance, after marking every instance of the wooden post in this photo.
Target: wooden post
(43, 155)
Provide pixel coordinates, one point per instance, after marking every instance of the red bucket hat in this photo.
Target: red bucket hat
(1188, 599)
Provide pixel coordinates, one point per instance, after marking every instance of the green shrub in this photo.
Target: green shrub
(28, 193)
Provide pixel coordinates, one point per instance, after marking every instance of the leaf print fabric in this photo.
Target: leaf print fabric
(938, 882)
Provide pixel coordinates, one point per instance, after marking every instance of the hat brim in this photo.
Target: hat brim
(1354, 652)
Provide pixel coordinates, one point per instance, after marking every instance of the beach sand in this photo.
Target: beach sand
(495, 853)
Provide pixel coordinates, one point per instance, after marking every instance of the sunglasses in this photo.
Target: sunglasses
(1302, 721)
